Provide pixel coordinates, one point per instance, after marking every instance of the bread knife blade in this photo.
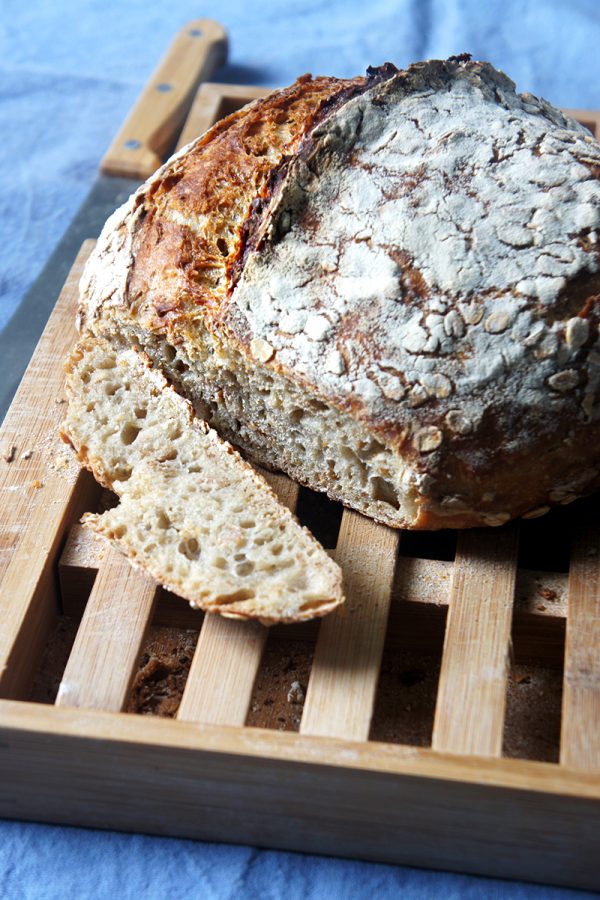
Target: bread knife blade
(148, 136)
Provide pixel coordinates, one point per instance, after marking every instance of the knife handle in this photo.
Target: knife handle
(151, 128)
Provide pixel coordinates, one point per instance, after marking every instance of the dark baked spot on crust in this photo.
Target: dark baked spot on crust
(460, 58)
(376, 74)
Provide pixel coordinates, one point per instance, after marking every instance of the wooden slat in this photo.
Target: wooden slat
(228, 655)
(510, 818)
(212, 102)
(469, 715)
(223, 671)
(42, 491)
(580, 729)
(424, 581)
(107, 647)
(343, 679)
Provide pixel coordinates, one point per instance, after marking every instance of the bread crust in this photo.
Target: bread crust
(489, 390)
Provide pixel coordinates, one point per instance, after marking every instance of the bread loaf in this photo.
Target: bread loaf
(191, 511)
(386, 287)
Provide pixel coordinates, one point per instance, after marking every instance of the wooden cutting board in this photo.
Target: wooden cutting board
(458, 804)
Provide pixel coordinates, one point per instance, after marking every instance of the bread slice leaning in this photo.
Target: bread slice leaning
(191, 512)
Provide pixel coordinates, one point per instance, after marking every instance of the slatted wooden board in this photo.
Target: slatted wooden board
(458, 804)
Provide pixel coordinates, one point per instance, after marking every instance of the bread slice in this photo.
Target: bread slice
(191, 511)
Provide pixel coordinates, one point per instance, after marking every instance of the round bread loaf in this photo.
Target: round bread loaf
(386, 287)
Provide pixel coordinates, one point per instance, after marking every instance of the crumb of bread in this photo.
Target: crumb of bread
(295, 693)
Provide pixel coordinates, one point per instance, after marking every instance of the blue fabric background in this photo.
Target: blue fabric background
(69, 72)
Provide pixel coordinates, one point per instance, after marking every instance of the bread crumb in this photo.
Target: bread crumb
(60, 400)
(547, 594)
(27, 455)
(37, 484)
(295, 693)
(9, 454)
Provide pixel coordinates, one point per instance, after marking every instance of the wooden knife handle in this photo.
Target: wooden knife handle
(151, 128)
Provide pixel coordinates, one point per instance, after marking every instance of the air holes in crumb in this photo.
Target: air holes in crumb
(296, 414)
(247, 523)
(174, 432)
(129, 433)
(162, 520)
(384, 492)
(312, 605)
(110, 389)
(219, 562)
(298, 582)
(223, 247)
(242, 594)
(119, 532)
(107, 362)
(170, 455)
(370, 450)
(276, 549)
(245, 568)
(85, 377)
(189, 548)
(140, 412)
(169, 353)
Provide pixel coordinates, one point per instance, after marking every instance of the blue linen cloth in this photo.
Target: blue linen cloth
(69, 72)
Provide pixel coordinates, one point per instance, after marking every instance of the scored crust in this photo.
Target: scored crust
(417, 250)
(166, 256)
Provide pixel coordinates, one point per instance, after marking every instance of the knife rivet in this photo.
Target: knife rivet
(132, 144)
(164, 88)
(195, 32)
